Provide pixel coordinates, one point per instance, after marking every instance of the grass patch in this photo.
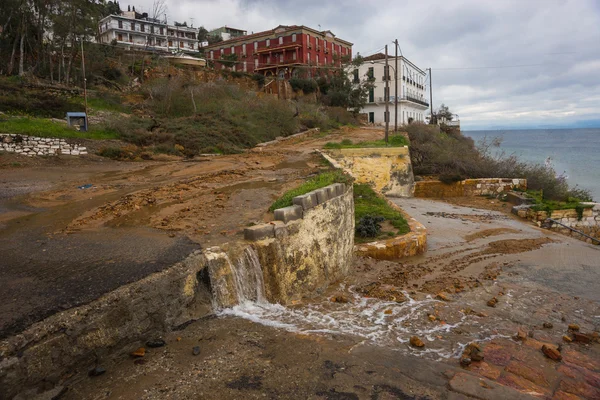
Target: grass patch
(542, 204)
(107, 102)
(368, 203)
(316, 182)
(47, 128)
(394, 141)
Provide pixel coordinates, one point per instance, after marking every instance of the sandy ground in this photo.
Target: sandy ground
(357, 347)
(72, 229)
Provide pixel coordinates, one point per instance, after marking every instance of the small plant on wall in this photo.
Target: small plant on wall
(369, 226)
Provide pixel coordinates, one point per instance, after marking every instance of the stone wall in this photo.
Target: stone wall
(38, 146)
(388, 170)
(72, 342)
(410, 244)
(468, 187)
(309, 246)
(588, 224)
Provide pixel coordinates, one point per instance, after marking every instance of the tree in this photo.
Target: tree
(338, 90)
(444, 113)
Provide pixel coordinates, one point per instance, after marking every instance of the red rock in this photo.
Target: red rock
(581, 338)
(340, 298)
(528, 372)
(575, 372)
(521, 336)
(523, 385)
(492, 302)
(496, 354)
(573, 327)
(579, 388)
(485, 369)
(442, 296)
(576, 357)
(551, 353)
(560, 395)
(388, 311)
(567, 339)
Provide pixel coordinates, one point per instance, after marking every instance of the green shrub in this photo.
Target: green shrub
(368, 203)
(393, 141)
(369, 226)
(305, 85)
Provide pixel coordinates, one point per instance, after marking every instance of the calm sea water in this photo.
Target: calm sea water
(576, 152)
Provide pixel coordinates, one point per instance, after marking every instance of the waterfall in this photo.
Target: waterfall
(248, 277)
(235, 282)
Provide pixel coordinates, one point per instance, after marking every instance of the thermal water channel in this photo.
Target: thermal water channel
(374, 321)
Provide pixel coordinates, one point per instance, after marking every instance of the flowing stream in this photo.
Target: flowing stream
(373, 321)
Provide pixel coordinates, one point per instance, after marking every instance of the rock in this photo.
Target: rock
(416, 342)
(567, 339)
(581, 338)
(432, 317)
(139, 352)
(155, 343)
(573, 327)
(492, 302)
(473, 352)
(551, 353)
(477, 355)
(388, 311)
(595, 337)
(96, 371)
(521, 336)
(340, 298)
(442, 296)
(548, 325)
(465, 361)
(196, 350)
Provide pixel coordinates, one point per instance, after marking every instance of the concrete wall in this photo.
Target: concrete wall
(305, 255)
(468, 187)
(73, 341)
(37, 146)
(589, 223)
(387, 170)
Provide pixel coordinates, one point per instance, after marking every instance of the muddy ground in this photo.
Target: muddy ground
(73, 228)
(64, 246)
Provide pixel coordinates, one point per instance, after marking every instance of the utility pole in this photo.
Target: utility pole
(396, 89)
(386, 96)
(84, 80)
(430, 98)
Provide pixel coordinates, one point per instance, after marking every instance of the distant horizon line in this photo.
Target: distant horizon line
(530, 129)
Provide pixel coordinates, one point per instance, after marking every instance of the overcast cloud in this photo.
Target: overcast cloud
(556, 43)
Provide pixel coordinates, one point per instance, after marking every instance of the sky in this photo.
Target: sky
(545, 53)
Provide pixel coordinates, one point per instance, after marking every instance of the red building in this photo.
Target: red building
(285, 51)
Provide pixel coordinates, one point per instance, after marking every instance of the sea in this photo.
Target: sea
(573, 152)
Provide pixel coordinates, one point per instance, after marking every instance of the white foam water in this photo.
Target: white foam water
(377, 322)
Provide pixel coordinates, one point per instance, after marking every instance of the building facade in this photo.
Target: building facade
(284, 51)
(227, 33)
(412, 96)
(133, 30)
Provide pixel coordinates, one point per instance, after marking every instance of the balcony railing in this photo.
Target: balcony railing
(404, 98)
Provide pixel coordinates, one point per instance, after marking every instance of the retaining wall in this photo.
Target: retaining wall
(38, 146)
(588, 224)
(388, 170)
(410, 244)
(309, 246)
(72, 342)
(468, 187)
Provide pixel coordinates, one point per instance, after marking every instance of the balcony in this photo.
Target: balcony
(278, 48)
(403, 99)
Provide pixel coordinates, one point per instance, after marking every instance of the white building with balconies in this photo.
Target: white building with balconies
(412, 96)
(133, 30)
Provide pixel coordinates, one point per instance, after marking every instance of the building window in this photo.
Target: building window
(120, 37)
(371, 73)
(308, 57)
(232, 50)
(133, 26)
(268, 59)
(180, 44)
(245, 66)
(325, 63)
(222, 51)
(121, 24)
(268, 42)
(317, 59)
(142, 28)
(293, 37)
(256, 63)
(244, 48)
(294, 56)
(212, 54)
(281, 58)
(162, 32)
(151, 28)
(255, 45)
(170, 43)
(371, 95)
(280, 39)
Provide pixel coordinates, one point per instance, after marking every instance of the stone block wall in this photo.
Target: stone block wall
(387, 170)
(304, 255)
(38, 146)
(468, 187)
(588, 224)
